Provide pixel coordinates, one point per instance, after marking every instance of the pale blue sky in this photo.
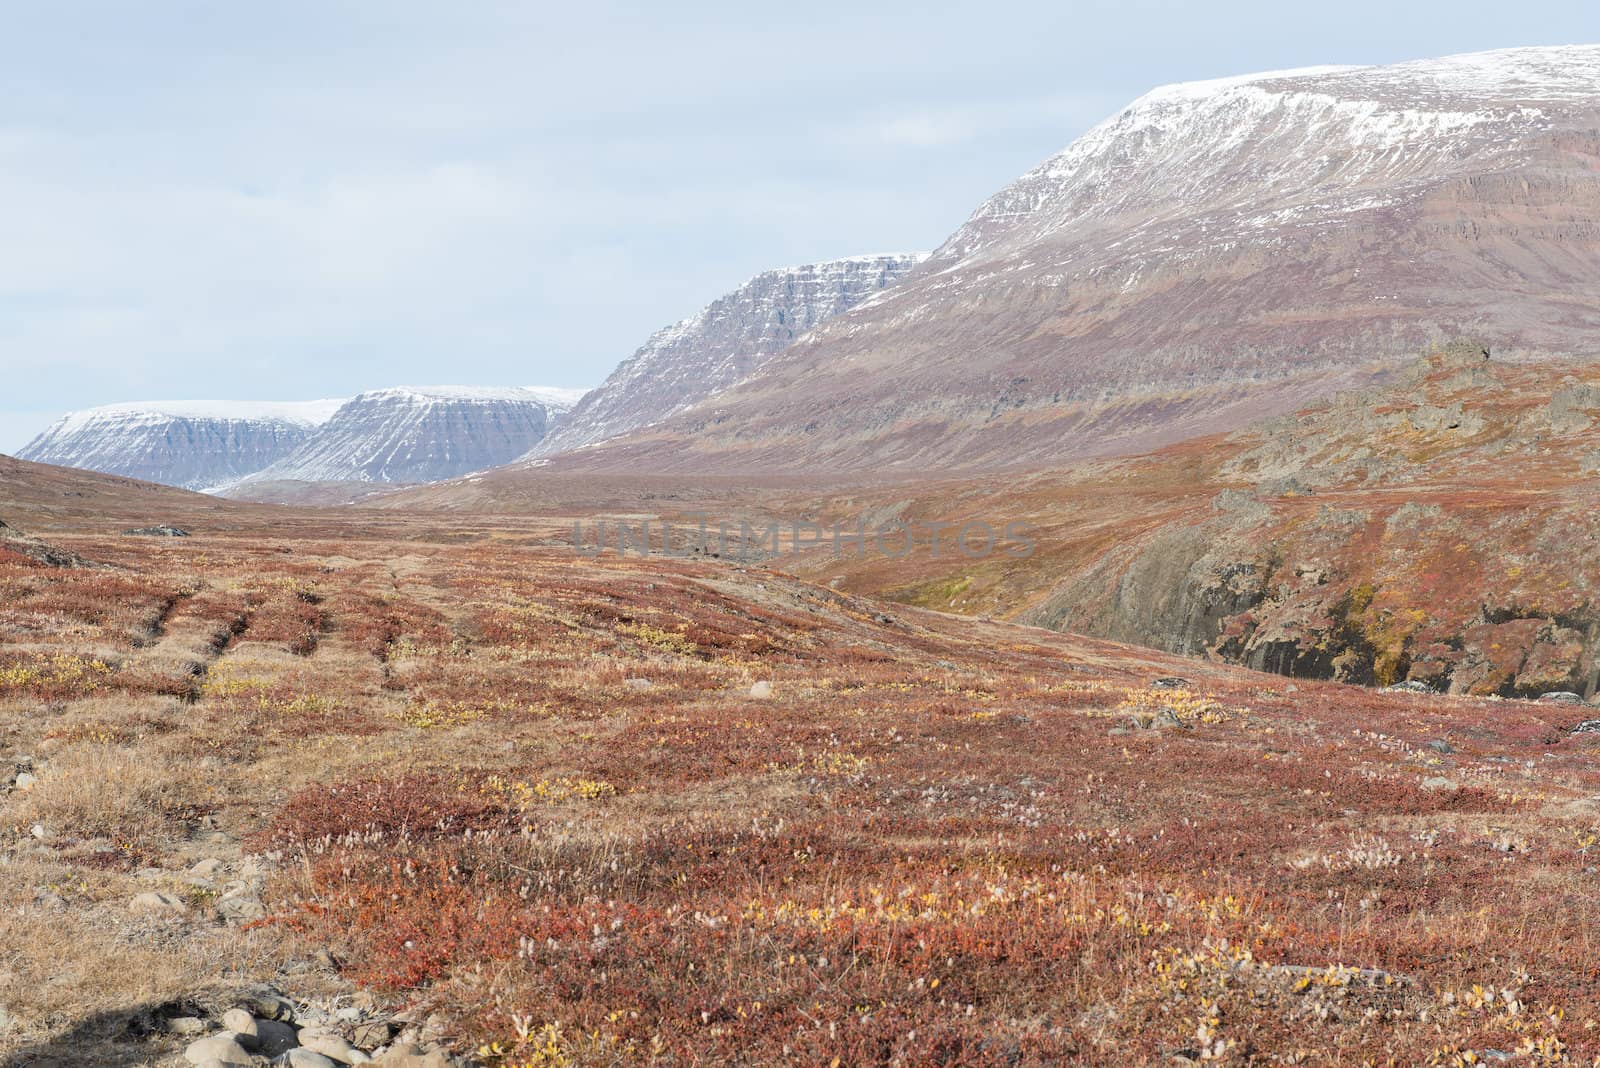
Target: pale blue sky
(291, 200)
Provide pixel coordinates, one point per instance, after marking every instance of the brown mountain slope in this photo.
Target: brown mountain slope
(1441, 529)
(1214, 253)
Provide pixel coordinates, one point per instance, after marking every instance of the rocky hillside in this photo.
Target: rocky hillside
(193, 444)
(727, 341)
(1213, 253)
(1435, 530)
(423, 434)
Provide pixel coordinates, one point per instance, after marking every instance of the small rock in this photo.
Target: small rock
(221, 1049)
(371, 1035)
(39, 831)
(411, 1055)
(241, 910)
(267, 1005)
(206, 869)
(1409, 686)
(301, 1057)
(1439, 745)
(1439, 782)
(25, 780)
(638, 684)
(761, 690)
(274, 1037)
(332, 1045)
(163, 530)
(1588, 726)
(242, 1024)
(1170, 682)
(157, 901)
(1555, 697)
(186, 1025)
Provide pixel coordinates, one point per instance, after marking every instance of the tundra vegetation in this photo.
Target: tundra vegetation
(566, 811)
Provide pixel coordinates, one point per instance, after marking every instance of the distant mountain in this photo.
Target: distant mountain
(1214, 252)
(728, 340)
(423, 434)
(193, 444)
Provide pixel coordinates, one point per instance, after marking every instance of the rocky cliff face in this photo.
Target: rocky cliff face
(193, 444)
(1213, 253)
(423, 434)
(726, 342)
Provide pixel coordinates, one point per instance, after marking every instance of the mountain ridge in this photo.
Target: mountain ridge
(722, 344)
(1211, 254)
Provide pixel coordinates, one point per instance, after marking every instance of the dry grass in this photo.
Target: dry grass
(938, 842)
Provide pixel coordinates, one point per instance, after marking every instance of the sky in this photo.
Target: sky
(297, 200)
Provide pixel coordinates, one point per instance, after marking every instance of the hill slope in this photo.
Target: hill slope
(1214, 252)
(722, 344)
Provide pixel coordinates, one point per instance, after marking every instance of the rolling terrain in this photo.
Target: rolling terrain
(418, 786)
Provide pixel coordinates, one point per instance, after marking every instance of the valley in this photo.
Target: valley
(416, 780)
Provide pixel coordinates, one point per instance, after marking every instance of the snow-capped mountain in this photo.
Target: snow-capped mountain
(724, 343)
(1214, 252)
(423, 434)
(194, 444)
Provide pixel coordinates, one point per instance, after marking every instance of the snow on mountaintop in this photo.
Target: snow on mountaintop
(554, 397)
(1238, 147)
(299, 413)
(682, 364)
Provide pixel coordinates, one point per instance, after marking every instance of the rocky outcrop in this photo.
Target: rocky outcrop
(723, 344)
(1431, 532)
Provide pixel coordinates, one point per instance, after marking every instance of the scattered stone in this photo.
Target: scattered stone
(186, 1025)
(241, 909)
(1410, 686)
(1588, 726)
(1439, 745)
(372, 1034)
(300, 1057)
(162, 530)
(761, 690)
(1555, 697)
(221, 1049)
(242, 1024)
(332, 1045)
(206, 869)
(1439, 782)
(157, 901)
(39, 831)
(267, 1005)
(25, 780)
(411, 1055)
(1170, 682)
(274, 1037)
